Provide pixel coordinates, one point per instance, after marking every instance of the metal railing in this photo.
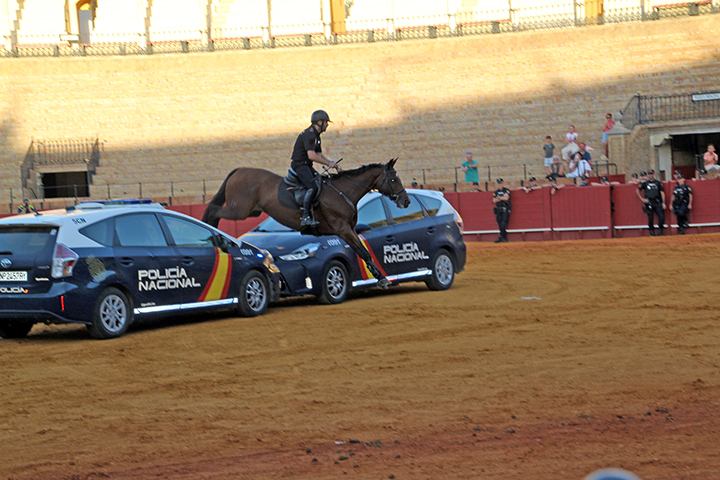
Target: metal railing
(645, 109)
(442, 24)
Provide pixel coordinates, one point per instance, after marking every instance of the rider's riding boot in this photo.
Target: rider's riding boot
(308, 219)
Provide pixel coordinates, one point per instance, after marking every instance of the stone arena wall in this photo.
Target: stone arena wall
(189, 117)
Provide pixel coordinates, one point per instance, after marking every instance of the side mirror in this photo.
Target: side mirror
(362, 228)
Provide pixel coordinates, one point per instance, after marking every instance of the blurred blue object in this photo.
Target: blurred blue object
(612, 474)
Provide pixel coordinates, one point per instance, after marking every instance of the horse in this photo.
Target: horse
(247, 192)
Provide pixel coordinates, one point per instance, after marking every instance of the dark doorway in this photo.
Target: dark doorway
(65, 185)
(687, 150)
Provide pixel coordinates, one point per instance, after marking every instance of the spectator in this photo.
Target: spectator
(605, 182)
(552, 183)
(501, 199)
(653, 196)
(557, 169)
(548, 151)
(710, 158)
(634, 179)
(26, 207)
(532, 185)
(578, 166)
(701, 174)
(571, 146)
(682, 198)
(470, 167)
(585, 154)
(609, 124)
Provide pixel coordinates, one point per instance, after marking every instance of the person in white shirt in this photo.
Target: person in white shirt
(578, 166)
(571, 146)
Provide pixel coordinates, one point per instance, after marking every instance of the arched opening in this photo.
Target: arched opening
(86, 15)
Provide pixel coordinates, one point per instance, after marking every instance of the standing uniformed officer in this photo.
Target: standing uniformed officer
(501, 199)
(308, 149)
(654, 200)
(682, 198)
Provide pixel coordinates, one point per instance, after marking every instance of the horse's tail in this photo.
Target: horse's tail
(210, 216)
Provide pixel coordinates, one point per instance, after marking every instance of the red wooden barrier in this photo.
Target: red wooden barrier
(581, 212)
(705, 215)
(629, 219)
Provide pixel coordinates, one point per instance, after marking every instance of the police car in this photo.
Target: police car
(421, 243)
(105, 264)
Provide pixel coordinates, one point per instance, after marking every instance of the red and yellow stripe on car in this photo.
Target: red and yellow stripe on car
(217, 286)
(364, 270)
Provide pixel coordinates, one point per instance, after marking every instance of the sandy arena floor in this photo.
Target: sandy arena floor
(544, 361)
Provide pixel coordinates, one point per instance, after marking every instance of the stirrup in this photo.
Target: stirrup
(308, 220)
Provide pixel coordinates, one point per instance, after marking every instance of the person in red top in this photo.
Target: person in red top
(609, 124)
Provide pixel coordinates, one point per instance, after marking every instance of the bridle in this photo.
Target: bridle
(393, 195)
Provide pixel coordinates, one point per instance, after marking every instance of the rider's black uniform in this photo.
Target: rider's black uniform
(681, 200)
(502, 213)
(653, 193)
(309, 139)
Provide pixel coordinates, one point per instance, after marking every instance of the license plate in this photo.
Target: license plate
(13, 276)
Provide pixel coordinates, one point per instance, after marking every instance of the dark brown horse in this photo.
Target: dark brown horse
(246, 192)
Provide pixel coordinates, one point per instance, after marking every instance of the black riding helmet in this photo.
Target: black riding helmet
(319, 115)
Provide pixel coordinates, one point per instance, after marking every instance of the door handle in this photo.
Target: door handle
(127, 262)
(188, 261)
(431, 230)
(390, 238)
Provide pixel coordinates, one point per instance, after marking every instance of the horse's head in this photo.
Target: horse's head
(392, 187)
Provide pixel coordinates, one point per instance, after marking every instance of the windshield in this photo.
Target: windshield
(270, 225)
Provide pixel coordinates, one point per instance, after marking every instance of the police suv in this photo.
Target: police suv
(103, 264)
(421, 243)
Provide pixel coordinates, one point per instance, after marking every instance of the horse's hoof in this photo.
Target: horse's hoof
(383, 284)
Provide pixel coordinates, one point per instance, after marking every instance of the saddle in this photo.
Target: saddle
(291, 191)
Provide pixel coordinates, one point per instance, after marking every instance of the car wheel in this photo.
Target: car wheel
(14, 330)
(254, 294)
(112, 315)
(335, 284)
(443, 271)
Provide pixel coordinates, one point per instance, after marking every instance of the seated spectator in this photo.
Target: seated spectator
(585, 154)
(711, 158)
(605, 182)
(578, 166)
(532, 185)
(556, 169)
(571, 146)
(552, 183)
(634, 179)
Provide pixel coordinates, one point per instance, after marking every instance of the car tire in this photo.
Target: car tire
(254, 294)
(112, 315)
(443, 271)
(14, 329)
(335, 284)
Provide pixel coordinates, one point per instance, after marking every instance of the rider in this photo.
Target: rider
(307, 150)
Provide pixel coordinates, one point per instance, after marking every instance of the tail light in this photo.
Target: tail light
(64, 260)
(459, 221)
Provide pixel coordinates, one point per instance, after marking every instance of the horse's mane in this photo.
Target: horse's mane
(355, 171)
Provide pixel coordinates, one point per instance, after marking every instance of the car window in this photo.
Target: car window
(373, 214)
(412, 212)
(432, 205)
(188, 234)
(102, 232)
(22, 239)
(139, 230)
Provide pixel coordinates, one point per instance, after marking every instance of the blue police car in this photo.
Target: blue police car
(421, 243)
(105, 264)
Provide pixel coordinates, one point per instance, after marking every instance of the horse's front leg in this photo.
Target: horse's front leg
(354, 241)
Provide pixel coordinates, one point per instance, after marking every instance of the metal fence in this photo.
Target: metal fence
(645, 109)
(501, 20)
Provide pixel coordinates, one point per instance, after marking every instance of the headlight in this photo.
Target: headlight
(306, 251)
